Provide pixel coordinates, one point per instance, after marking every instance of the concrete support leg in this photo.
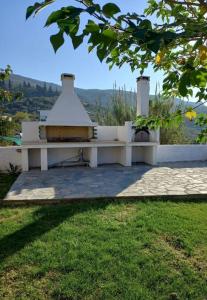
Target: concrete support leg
(43, 158)
(128, 132)
(126, 156)
(93, 157)
(155, 136)
(25, 160)
(150, 156)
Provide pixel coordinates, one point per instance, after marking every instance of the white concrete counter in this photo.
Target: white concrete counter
(142, 144)
(75, 144)
(123, 151)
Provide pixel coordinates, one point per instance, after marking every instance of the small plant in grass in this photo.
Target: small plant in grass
(13, 169)
(6, 180)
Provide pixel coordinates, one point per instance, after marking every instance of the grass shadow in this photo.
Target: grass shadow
(46, 219)
(6, 181)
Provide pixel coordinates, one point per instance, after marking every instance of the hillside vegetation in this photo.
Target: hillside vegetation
(42, 95)
(39, 95)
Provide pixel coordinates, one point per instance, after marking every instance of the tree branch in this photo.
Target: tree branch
(187, 3)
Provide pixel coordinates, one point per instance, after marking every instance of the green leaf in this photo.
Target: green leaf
(37, 7)
(198, 43)
(145, 24)
(95, 38)
(54, 17)
(110, 9)
(69, 26)
(184, 82)
(90, 48)
(77, 40)
(115, 52)
(57, 40)
(31, 9)
(70, 12)
(168, 36)
(153, 41)
(140, 33)
(92, 27)
(73, 11)
(110, 34)
(101, 53)
(154, 46)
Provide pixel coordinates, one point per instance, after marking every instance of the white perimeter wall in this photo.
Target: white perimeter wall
(9, 155)
(165, 153)
(173, 153)
(107, 133)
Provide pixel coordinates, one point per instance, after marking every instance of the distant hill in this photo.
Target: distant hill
(87, 96)
(90, 96)
(18, 79)
(40, 95)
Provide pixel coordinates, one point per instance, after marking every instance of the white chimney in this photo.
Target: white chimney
(68, 109)
(143, 87)
(67, 82)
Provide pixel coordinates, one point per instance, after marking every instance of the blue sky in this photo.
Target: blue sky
(26, 47)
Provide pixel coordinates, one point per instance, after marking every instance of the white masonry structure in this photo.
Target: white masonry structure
(66, 136)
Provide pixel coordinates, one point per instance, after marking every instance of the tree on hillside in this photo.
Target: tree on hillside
(4, 75)
(175, 133)
(7, 125)
(21, 116)
(120, 108)
(5, 93)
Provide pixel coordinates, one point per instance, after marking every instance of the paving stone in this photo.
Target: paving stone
(109, 181)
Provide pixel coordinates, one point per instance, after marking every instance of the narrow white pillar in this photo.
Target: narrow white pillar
(25, 160)
(155, 136)
(143, 88)
(126, 156)
(43, 159)
(93, 157)
(150, 155)
(129, 131)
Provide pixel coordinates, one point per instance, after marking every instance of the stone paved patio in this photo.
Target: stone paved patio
(111, 181)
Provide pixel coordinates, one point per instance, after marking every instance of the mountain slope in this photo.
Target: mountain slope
(19, 79)
(90, 96)
(40, 95)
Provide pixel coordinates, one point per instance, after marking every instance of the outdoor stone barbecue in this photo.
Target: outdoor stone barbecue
(67, 121)
(65, 135)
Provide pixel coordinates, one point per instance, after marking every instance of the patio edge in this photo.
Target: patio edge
(176, 198)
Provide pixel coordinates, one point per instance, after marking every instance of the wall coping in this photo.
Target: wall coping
(184, 145)
(10, 147)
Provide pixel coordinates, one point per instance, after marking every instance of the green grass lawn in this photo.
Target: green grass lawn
(104, 250)
(6, 181)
